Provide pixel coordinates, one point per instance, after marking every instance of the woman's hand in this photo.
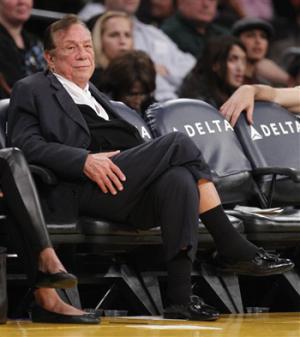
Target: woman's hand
(242, 99)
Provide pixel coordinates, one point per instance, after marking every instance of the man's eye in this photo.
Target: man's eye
(70, 47)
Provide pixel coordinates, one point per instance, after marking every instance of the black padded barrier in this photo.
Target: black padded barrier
(272, 144)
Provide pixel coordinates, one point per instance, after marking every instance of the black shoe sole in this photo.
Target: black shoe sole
(255, 273)
(40, 315)
(61, 280)
(60, 284)
(179, 317)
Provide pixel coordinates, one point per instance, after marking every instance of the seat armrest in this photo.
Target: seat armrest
(46, 175)
(290, 172)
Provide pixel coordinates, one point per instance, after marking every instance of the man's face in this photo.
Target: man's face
(128, 6)
(201, 11)
(73, 57)
(16, 11)
(256, 43)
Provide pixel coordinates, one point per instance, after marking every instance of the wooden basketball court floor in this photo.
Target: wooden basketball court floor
(247, 325)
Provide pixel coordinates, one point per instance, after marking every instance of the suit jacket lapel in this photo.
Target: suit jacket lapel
(66, 103)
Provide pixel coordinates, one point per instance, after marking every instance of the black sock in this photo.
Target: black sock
(179, 279)
(230, 243)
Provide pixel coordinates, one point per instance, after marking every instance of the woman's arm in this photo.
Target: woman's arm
(244, 97)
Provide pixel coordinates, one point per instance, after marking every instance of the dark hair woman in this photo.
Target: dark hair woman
(218, 73)
(130, 78)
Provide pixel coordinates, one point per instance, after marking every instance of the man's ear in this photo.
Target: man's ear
(49, 59)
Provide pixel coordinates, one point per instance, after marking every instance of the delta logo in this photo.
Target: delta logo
(274, 129)
(203, 128)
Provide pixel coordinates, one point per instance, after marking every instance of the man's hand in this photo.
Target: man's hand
(99, 168)
(242, 99)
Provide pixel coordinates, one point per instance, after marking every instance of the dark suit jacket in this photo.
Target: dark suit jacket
(45, 123)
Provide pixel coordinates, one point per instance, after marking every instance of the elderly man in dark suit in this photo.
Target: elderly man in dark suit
(62, 122)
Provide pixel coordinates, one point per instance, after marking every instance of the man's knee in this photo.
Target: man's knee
(179, 179)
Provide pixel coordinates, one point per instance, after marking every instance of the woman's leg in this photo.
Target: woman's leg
(22, 200)
(228, 240)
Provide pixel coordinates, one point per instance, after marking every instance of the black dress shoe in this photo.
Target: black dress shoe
(58, 280)
(40, 315)
(263, 264)
(196, 310)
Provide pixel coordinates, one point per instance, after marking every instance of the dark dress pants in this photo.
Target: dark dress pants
(160, 189)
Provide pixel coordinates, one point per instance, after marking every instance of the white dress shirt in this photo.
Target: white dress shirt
(82, 96)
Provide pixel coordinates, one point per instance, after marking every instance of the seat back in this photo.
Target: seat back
(4, 104)
(274, 138)
(214, 136)
(273, 141)
(132, 117)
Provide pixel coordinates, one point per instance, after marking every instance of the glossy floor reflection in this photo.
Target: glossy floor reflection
(249, 325)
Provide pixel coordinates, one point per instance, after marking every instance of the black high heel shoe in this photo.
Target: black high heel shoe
(60, 280)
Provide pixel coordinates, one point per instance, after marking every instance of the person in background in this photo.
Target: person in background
(218, 73)
(21, 54)
(112, 37)
(287, 27)
(130, 78)
(29, 235)
(253, 8)
(91, 9)
(155, 12)
(192, 25)
(171, 64)
(243, 100)
(294, 70)
(256, 34)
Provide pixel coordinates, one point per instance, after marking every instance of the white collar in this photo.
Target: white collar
(82, 96)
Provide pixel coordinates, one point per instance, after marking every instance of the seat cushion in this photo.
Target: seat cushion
(91, 226)
(287, 221)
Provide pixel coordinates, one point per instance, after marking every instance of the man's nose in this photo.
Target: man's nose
(81, 52)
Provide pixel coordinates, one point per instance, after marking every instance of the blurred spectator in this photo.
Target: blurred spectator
(262, 9)
(63, 6)
(156, 12)
(191, 26)
(21, 54)
(293, 69)
(171, 64)
(112, 36)
(287, 27)
(91, 9)
(217, 74)
(230, 11)
(130, 78)
(255, 34)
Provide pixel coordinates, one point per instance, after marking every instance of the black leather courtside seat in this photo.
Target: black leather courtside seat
(272, 144)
